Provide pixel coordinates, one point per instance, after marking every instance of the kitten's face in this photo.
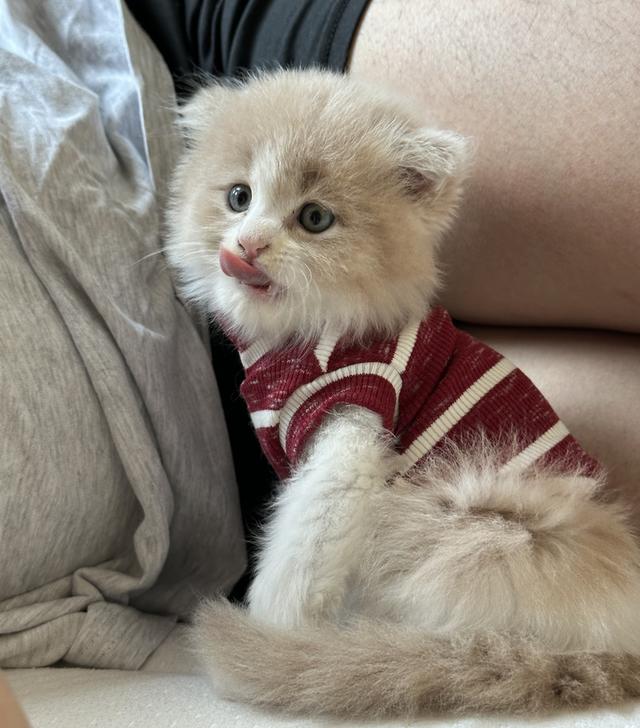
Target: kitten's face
(308, 201)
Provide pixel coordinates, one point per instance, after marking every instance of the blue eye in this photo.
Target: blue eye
(239, 197)
(315, 218)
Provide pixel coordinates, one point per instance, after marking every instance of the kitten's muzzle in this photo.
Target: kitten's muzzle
(236, 267)
(252, 246)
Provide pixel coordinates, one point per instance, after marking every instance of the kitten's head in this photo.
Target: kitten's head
(308, 200)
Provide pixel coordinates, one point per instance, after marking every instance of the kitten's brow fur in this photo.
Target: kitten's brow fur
(473, 589)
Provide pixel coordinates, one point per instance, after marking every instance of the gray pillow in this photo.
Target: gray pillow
(118, 504)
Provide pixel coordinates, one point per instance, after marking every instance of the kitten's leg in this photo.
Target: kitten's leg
(320, 520)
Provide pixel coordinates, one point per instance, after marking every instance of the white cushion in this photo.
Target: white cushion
(80, 698)
(170, 693)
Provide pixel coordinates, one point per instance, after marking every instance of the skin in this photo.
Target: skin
(12, 716)
(550, 93)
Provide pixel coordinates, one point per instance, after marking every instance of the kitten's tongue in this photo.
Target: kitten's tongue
(234, 266)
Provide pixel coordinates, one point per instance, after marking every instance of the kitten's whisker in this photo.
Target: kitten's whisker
(146, 257)
(167, 266)
(194, 253)
(190, 247)
(187, 244)
(162, 250)
(306, 272)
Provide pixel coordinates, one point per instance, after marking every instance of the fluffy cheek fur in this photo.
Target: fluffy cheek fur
(392, 185)
(376, 278)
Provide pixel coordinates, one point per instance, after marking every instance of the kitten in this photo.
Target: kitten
(440, 541)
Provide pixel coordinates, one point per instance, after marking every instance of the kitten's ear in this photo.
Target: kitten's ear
(432, 162)
(201, 109)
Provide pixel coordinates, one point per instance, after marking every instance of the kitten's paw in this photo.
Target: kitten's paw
(323, 606)
(280, 599)
(292, 600)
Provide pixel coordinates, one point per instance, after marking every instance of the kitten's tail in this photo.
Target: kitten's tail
(374, 670)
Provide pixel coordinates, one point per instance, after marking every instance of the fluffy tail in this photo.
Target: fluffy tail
(373, 670)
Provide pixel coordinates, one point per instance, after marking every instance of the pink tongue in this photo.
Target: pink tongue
(234, 266)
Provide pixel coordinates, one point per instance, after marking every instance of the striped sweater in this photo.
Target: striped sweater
(431, 384)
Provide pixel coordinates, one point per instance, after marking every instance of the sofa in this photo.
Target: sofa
(592, 379)
(89, 314)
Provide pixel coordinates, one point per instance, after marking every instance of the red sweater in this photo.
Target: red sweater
(431, 384)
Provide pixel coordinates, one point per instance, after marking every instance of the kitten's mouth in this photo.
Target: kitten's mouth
(236, 267)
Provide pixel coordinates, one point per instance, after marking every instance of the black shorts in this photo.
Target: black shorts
(225, 37)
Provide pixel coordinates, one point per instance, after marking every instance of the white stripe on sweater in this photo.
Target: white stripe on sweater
(253, 352)
(305, 391)
(324, 349)
(538, 448)
(404, 347)
(454, 413)
(265, 418)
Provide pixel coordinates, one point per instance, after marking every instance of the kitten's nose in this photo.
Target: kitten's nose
(252, 246)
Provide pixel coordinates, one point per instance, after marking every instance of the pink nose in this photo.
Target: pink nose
(252, 246)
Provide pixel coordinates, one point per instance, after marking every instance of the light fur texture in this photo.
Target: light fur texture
(478, 590)
(312, 136)
(465, 587)
(375, 670)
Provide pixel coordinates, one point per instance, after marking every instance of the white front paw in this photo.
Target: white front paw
(279, 599)
(292, 600)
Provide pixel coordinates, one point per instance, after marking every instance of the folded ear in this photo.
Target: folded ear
(432, 161)
(201, 109)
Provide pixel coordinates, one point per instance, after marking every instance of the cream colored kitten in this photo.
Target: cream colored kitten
(309, 208)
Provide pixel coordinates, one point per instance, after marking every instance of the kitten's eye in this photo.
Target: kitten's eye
(239, 197)
(315, 218)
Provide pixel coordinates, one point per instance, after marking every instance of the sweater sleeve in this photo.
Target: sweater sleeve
(374, 385)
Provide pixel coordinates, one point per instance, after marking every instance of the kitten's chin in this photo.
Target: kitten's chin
(261, 289)
(279, 316)
(259, 294)
(265, 290)
(251, 310)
